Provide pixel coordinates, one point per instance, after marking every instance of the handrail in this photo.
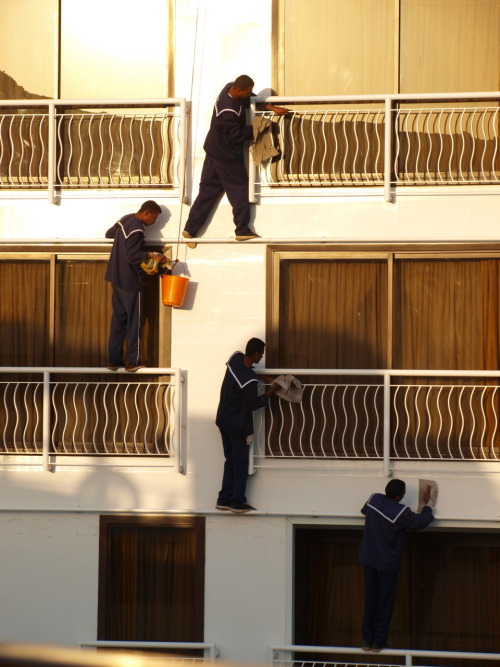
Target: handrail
(377, 97)
(206, 646)
(408, 654)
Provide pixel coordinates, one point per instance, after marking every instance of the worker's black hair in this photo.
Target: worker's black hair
(254, 345)
(243, 82)
(150, 206)
(396, 487)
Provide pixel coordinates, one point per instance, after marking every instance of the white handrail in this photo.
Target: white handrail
(409, 654)
(210, 646)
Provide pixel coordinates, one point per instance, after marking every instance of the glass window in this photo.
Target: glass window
(151, 578)
(333, 47)
(69, 49)
(447, 595)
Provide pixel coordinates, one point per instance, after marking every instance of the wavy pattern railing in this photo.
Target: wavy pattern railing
(55, 416)
(389, 419)
(92, 144)
(327, 148)
(332, 141)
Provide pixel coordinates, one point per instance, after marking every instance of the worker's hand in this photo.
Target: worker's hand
(272, 389)
(279, 111)
(427, 495)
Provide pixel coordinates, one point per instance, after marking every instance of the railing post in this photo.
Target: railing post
(387, 425)
(51, 153)
(46, 422)
(388, 150)
(177, 439)
(251, 163)
(182, 149)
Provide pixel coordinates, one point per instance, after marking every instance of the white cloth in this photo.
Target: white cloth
(262, 146)
(290, 389)
(423, 485)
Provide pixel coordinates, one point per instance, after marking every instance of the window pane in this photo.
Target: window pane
(449, 46)
(446, 314)
(24, 313)
(333, 314)
(27, 67)
(151, 583)
(334, 47)
(83, 313)
(447, 596)
(111, 49)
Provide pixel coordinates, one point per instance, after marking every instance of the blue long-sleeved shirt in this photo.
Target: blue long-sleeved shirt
(127, 253)
(239, 397)
(228, 128)
(385, 526)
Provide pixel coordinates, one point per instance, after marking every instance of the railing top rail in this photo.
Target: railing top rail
(138, 644)
(381, 372)
(413, 652)
(111, 102)
(380, 97)
(57, 370)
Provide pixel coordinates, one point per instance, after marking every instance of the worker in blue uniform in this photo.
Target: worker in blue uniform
(124, 274)
(224, 166)
(386, 523)
(239, 397)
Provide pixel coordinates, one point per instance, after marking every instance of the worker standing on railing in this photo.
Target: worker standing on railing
(239, 397)
(387, 521)
(124, 273)
(224, 166)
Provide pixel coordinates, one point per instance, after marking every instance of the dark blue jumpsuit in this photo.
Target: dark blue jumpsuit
(238, 399)
(224, 167)
(381, 551)
(123, 272)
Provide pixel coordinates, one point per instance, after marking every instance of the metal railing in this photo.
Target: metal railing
(53, 412)
(93, 144)
(384, 140)
(210, 652)
(283, 656)
(389, 415)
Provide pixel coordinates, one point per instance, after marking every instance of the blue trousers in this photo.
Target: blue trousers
(234, 481)
(380, 591)
(126, 324)
(218, 177)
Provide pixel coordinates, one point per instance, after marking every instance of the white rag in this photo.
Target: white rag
(290, 389)
(423, 485)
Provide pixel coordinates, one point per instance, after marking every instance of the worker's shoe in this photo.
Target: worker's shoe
(240, 508)
(113, 367)
(366, 646)
(376, 648)
(222, 506)
(247, 237)
(187, 235)
(131, 368)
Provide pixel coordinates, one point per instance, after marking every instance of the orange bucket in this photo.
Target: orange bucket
(173, 290)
